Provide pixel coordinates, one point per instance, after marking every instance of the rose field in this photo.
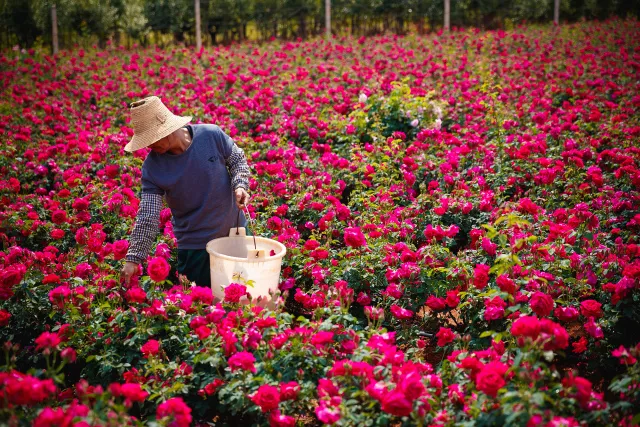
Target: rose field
(461, 213)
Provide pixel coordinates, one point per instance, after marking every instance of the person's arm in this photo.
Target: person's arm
(238, 168)
(239, 171)
(144, 233)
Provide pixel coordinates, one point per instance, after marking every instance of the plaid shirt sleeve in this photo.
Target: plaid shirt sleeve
(238, 168)
(146, 227)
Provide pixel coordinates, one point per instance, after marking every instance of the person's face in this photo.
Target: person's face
(161, 146)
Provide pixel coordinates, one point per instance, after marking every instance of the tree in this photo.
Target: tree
(132, 20)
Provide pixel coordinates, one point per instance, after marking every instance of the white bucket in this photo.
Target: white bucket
(235, 259)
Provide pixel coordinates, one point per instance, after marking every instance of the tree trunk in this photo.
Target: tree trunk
(54, 29)
(556, 12)
(302, 26)
(327, 19)
(198, 35)
(447, 14)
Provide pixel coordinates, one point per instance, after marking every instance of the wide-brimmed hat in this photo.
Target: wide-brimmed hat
(151, 122)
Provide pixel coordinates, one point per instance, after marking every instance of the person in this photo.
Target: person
(203, 176)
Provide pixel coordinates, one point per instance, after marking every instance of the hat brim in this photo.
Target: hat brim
(152, 136)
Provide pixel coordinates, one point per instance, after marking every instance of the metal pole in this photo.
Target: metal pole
(447, 13)
(556, 12)
(198, 35)
(54, 29)
(327, 18)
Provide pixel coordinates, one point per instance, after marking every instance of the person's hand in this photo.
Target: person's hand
(242, 198)
(129, 269)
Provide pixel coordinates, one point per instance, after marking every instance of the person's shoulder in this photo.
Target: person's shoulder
(207, 128)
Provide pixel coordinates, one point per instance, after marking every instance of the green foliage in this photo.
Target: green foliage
(26, 21)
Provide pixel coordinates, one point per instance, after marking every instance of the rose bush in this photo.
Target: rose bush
(460, 210)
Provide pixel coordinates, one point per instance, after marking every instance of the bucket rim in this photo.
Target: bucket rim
(278, 256)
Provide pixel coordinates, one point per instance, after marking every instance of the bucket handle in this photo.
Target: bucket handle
(254, 234)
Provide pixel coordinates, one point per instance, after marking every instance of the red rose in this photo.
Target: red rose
(505, 284)
(491, 378)
(566, 314)
(445, 336)
(4, 317)
(12, 275)
(452, 299)
(395, 403)
(136, 295)
(150, 348)
(591, 308)
(202, 295)
(47, 340)
(158, 269)
(354, 238)
(80, 204)
(120, 249)
(267, 397)
(289, 391)
(411, 385)
(580, 346)
(212, 387)
(276, 419)
(311, 245)
(133, 392)
(481, 276)
(526, 326)
(400, 313)
(203, 332)
(436, 303)
(58, 216)
(242, 360)
(322, 338)
(234, 292)
(57, 234)
(541, 304)
(176, 408)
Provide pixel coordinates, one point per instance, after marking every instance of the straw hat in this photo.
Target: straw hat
(152, 121)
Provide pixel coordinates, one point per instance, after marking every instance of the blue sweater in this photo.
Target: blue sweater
(197, 187)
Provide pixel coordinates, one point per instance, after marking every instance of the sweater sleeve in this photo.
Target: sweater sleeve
(146, 227)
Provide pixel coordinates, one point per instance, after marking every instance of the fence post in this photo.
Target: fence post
(556, 12)
(327, 18)
(54, 29)
(198, 35)
(447, 13)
